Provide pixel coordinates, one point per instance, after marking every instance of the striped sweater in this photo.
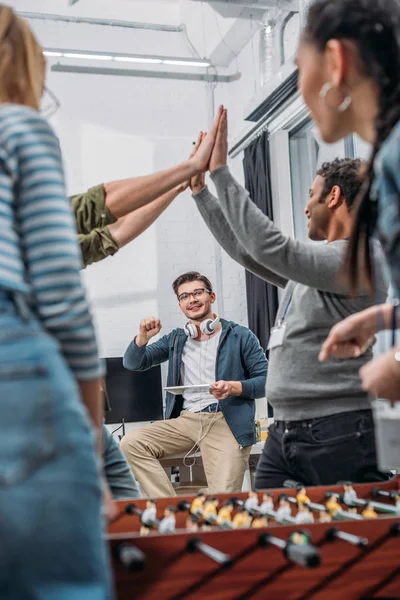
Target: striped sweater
(39, 254)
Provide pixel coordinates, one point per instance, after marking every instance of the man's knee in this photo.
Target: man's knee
(133, 443)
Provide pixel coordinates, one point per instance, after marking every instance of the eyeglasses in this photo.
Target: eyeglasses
(49, 103)
(196, 294)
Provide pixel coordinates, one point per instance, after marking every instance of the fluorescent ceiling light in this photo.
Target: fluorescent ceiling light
(155, 60)
(89, 56)
(186, 63)
(137, 59)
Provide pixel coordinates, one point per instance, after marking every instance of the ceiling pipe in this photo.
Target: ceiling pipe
(103, 22)
(208, 77)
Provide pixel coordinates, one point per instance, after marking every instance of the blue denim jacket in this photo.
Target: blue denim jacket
(386, 189)
(239, 358)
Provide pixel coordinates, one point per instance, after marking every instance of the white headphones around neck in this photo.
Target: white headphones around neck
(208, 327)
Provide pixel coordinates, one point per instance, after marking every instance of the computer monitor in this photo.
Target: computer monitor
(133, 396)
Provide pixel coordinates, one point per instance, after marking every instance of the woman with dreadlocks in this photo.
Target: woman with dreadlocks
(349, 76)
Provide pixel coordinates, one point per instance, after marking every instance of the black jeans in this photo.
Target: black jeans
(320, 451)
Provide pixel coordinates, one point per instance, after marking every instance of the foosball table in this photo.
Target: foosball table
(325, 543)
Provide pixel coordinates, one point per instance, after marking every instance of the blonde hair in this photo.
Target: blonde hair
(21, 61)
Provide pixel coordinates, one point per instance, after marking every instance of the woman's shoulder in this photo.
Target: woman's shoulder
(17, 117)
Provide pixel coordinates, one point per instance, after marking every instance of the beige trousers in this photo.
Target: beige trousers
(224, 461)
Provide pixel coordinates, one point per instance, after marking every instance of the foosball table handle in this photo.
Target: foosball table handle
(196, 545)
(130, 557)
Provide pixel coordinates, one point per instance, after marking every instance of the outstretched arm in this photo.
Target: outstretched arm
(127, 228)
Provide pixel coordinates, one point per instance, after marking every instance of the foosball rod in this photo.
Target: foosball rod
(394, 531)
(356, 540)
(379, 506)
(196, 545)
(392, 494)
(129, 556)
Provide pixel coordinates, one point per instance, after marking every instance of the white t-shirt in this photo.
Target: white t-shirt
(198, 367)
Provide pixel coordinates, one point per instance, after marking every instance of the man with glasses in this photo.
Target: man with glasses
(222, 369)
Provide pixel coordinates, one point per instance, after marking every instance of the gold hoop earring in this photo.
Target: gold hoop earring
(344, 105)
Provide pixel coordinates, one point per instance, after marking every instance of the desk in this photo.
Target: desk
(194, 476)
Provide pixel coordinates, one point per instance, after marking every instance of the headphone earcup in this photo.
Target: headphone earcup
(209, 325)
(190, 330)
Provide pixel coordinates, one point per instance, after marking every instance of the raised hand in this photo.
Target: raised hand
(148, 328)
(219, 154)
(201, 157)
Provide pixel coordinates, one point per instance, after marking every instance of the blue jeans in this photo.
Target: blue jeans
(52, 545)
(119, 476)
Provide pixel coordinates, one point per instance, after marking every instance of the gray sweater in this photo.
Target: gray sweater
(298, 385)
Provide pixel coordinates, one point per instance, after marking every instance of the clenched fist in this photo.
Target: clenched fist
(148, 328)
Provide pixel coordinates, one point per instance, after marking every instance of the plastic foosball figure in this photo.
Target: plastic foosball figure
(267, 502)
(333, 504)
(209, 508)
(198, 502)
(302, 497)
(192, 523)
(324, 516)
(398, 503)
(369, 513)
(304, 515)
(252, 501)
(149, 515)
(168, 523)
(225, 513)
(349, 495)
(259, 521)
(284, 510)
(242, 519)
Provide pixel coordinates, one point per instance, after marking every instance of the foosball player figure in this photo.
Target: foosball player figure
(209, 513)
(168, 523)
(284, 509)
(225, 513)
(349, 495)
(324, 516)
(397, 500)
(302, 497)
(259, 521)
(198, 502)
(242, 519)
(148, 516)
(369, 513)
(304, 515)
(299, 538)
(209, 508)
(267, 502)
(252, 501)
(333, 504)
(192, 523)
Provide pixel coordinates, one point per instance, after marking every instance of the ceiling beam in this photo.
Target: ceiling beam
(104, 22)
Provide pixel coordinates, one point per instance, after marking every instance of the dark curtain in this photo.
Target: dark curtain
(262, 297)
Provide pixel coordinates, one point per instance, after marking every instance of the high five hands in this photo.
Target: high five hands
(213, 144)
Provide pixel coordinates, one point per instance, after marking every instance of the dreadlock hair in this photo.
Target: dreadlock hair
(374, 27)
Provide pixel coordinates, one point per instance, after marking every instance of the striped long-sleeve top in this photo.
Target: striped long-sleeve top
(39, 253)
